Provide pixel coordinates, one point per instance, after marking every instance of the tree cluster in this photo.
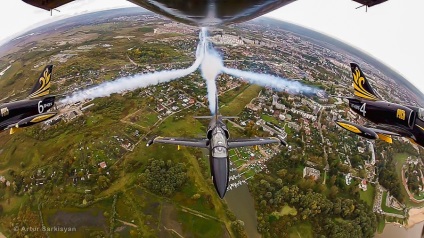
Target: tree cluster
(162, 177)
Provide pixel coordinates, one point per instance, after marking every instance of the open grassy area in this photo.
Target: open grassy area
(380, 226)
(389, 209)
(286, 210)
(400, 159)
(302, 230)
(145, 118)
(368, 196)
(229, 96)
(200, 227)
(235, 107)
(271, 119)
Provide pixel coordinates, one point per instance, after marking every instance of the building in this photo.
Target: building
(314, 173)
(348, 178)
(102, 165)
(363, 185)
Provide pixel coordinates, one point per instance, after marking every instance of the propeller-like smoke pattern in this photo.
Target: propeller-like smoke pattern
(138, 81)
(211, 66)
(272, 81)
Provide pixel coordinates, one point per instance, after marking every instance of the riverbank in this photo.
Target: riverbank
(396, 230)
(416, 215)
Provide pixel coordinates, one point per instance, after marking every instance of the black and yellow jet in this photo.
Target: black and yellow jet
(33, 109)
(391, 119)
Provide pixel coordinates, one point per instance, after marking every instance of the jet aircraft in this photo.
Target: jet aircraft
(218, 143)
(391, 119)
(202, 13)
(33, 109)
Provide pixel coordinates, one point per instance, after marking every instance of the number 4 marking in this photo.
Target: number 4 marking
(362, 109)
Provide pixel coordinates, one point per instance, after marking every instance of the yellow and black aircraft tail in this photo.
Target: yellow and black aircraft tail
(42, 86)
(361, 85)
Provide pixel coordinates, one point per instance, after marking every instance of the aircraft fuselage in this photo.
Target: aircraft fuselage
(218, 155)
(14, 112)
(391, 116)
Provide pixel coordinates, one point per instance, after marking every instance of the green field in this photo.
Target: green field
(381, 225)
(389, 209)
(271, 119)
(400, 159)
(197, 226)
(302, 230)
(368, 196)
(235, 107)
(286, 210)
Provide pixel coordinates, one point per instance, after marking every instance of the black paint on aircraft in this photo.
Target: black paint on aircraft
(33, 109)
(391, 119)
(218, 143)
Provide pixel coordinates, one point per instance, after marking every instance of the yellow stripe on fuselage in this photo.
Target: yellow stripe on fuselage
(420, 127)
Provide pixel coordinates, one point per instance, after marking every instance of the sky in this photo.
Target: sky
(391, 31)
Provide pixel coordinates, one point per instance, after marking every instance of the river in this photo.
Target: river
(392, 230)
(241, 203)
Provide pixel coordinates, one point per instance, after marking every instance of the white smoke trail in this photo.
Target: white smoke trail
(211, 66)
(138, 81)
(272, 81)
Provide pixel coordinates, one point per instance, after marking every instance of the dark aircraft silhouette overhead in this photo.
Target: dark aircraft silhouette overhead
(31, 110)
(370, 3)
(218, 143)
(201, 12)
(391, 119)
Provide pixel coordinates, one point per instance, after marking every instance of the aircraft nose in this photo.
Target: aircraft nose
(220, 175)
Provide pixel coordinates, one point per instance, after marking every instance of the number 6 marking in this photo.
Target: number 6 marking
(362, 109)
(40, 107)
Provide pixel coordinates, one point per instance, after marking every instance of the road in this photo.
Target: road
(323, 145)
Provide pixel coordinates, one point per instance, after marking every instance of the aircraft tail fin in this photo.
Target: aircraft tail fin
(42, 86)
(361, 85)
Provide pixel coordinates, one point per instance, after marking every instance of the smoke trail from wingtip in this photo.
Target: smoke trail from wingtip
(266, 80)
(211, 67)
(138, 81)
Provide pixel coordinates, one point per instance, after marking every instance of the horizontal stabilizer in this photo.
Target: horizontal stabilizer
(222, 117)
(413, 141)
(235, 143)
(13, 130)
(386, 138)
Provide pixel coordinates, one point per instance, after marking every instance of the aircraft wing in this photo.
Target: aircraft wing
(235, 143)
(202, 143)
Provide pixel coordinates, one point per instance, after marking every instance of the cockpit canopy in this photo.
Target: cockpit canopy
(219, 143)
(219, 152)
(421, 114)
